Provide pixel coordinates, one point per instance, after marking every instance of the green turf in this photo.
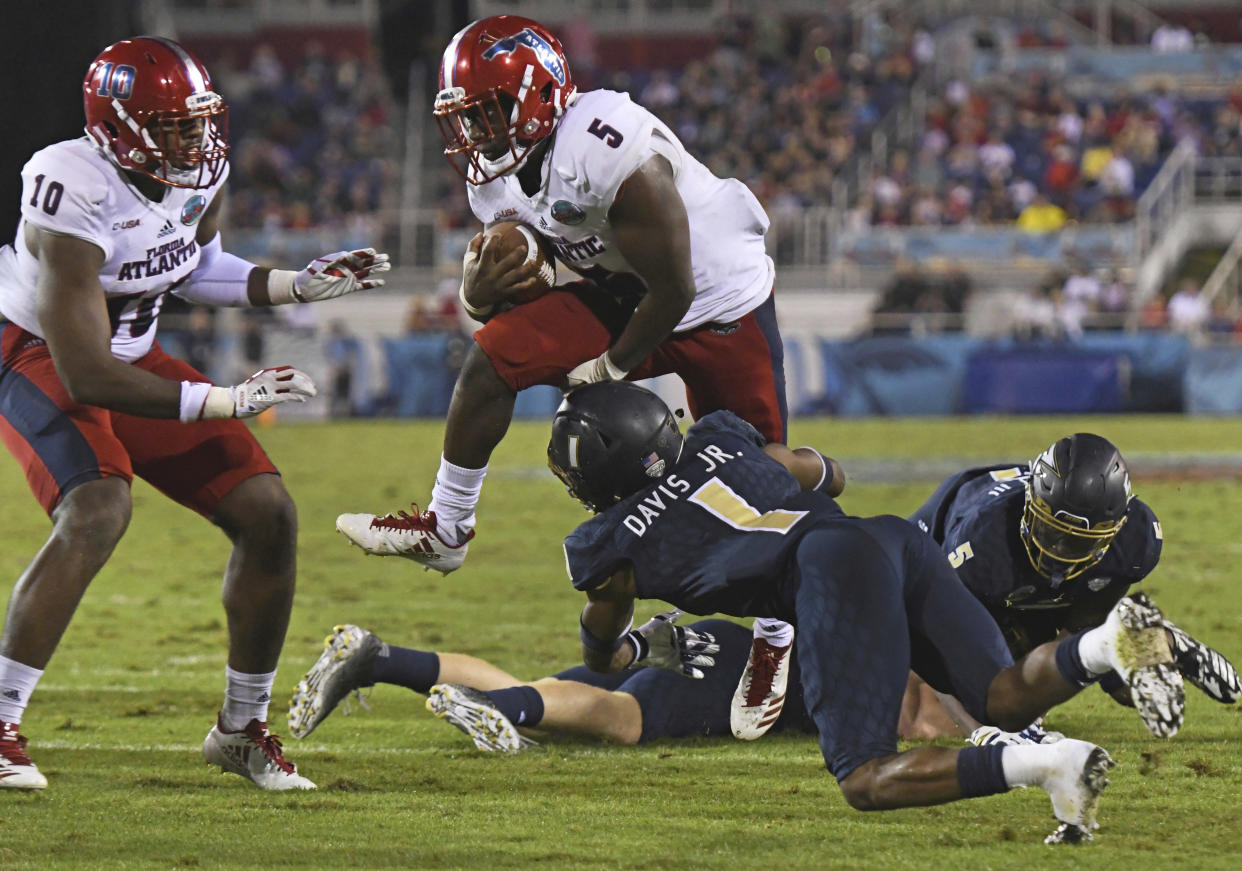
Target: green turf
(117, 721)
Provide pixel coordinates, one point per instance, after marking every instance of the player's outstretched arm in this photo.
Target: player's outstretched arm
(224, 279)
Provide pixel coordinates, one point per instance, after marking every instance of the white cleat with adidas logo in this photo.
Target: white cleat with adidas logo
(255, 754)
(16, 769)
(413, 536)
(760, 694)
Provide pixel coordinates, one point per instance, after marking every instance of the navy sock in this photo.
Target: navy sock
(980, 772)
(418, 670)
(522, 705)
(1069, 662)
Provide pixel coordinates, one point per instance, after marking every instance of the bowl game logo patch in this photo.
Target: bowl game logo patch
(193, 209)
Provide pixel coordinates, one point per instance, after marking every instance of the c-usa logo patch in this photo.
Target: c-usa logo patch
(193, 209)
(567, 213)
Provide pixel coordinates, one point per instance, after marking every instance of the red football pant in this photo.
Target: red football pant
(737, 366)
(62, 444)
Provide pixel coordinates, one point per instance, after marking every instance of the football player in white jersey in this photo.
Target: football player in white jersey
(673, 278)
(110, 223)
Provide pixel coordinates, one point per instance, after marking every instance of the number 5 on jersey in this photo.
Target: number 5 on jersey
(959, 556)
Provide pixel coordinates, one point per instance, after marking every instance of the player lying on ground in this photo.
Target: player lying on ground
(1050, 546)
(673, 277)
(111, 222)
(727, 524)
(626, 707)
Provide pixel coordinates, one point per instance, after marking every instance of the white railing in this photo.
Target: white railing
(1170, 193)
(1225, 278)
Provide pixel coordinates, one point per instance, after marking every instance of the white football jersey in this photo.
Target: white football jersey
(602, 139)
(73, 189)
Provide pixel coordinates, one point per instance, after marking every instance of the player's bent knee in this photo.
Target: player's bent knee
(259, 507)
(861, 788)
(479, 374)
(95, 515)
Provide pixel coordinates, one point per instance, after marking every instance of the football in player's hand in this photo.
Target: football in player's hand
(510, 235)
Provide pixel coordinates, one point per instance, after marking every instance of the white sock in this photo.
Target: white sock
(453, 498)
(17, 682)
(1025, 764)
(775, 632)
(246, 697)
(1095, 649)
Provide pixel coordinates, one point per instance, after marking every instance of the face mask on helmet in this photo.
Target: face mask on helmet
(150, 108)
(1076, 501)
(504, 85)
(611, 440)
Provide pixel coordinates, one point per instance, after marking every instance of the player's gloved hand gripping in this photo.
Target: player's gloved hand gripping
(262, 390)
(661, 643)
(328, 277)
(593, 371)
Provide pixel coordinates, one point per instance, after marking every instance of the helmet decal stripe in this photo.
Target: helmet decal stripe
(192, 70)
(449, 62)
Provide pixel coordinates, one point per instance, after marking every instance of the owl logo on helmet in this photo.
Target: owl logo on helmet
(1076, 502)
(504, 86)
(610, 440)
(151, 109)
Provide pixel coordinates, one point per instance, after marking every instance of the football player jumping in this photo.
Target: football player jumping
(1049, 547)
(112, 222)
(722, 521)
(673, 278)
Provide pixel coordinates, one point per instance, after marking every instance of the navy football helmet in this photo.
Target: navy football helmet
(1076, 502)
(611, 439)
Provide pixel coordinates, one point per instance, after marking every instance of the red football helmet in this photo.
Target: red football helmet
(150, 106)
(504, 84)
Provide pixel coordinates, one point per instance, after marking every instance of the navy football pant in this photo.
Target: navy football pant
(675, 706)
(874, 599)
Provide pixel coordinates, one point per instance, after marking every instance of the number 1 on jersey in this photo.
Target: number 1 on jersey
(717, 499)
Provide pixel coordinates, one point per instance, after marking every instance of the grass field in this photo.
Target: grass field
(117, 721)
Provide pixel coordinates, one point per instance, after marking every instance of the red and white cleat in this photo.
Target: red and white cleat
(255, 754)
(760, 694)
(16, 769)
(413, 536)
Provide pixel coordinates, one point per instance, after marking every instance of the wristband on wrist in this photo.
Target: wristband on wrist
(825, 478)
(598, 645)
(614, 372)
(281, 289)
(471, 310)
(193, 400)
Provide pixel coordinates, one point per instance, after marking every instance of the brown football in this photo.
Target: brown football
(514, 234)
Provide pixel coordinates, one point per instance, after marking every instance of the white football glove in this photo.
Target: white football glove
(269, 387)
(661, 643)
(593, 371)
(328, 277)
(265, 388)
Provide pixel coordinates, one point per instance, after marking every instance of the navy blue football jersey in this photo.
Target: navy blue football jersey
(715, 534)
(975, 517)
